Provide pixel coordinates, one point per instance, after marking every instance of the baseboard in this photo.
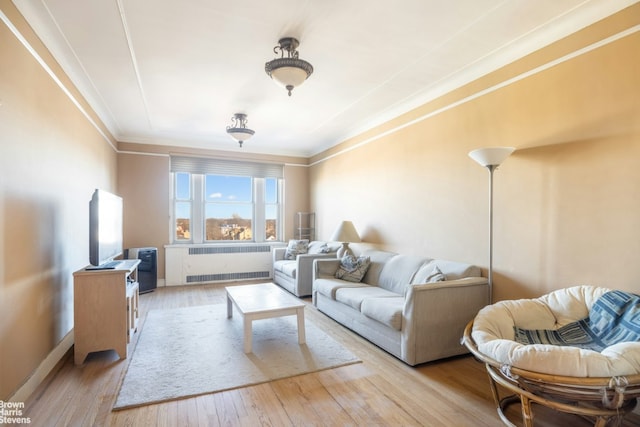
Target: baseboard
(45, 368)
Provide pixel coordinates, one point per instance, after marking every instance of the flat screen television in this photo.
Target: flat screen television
(105, 227)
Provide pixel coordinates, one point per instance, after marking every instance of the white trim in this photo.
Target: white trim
(53, 76)
(488, 90)
(44, 369)
(144, 153)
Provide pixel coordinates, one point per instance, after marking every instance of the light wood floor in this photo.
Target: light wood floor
(381, 391)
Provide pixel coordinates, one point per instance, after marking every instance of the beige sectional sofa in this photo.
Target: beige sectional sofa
(395, 306)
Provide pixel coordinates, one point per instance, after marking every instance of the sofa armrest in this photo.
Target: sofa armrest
(449, 284)
(435, 315)
(325, 268)
(305, 268)
(308, 258)
(277, 254)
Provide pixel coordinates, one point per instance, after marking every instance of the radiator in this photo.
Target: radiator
(187, 265)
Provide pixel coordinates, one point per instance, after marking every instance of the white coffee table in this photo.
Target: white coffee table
(263, 301)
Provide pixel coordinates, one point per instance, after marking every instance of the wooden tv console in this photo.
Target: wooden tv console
(105, 309)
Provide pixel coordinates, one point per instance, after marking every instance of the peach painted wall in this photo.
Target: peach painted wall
(51, 160)
(567, 202)
(143, 182)
(296, 195)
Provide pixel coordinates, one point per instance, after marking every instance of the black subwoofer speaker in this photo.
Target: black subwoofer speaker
(148, 267)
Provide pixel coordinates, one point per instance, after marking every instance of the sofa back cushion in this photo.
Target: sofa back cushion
(378, 260)
(398, 271)
(320, 247)
(452, 270)
(428, 273)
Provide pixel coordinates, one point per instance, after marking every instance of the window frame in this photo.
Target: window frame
(173, 232)
(199, 202)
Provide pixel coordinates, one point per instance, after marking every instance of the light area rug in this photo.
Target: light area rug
(196, 350)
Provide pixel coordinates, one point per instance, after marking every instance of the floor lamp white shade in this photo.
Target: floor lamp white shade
(491, 158)
(345, 233)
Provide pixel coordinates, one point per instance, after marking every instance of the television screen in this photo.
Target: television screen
(105, 227)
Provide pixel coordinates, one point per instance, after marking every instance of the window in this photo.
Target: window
(216, 201)
(228, 207)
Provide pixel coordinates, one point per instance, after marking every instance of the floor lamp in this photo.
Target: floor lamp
(491, 158)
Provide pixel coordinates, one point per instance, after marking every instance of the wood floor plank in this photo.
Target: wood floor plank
(381, 390)
(348, 395)
(265, 402)
(207, 414)
(172, 414)
(227, 414)
(304, 397)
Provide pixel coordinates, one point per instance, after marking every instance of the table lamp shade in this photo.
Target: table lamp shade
(346, 232)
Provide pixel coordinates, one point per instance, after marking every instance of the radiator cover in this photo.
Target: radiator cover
(187, 265)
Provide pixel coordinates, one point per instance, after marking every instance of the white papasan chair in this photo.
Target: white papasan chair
(576, 350)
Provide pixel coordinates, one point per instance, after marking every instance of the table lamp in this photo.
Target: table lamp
(345, 233)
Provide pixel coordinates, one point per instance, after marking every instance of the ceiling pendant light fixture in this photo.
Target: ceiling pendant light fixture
(239, 130)
(288, 71)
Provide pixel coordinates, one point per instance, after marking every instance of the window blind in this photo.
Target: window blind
(203, 165)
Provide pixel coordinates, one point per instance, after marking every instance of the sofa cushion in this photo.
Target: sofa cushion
(329, 287)
(428, 273)
(378, 259)
(296, 247)
(353, 297)
(386, 310)
(352, 269)
(398, 271)
(286, 267)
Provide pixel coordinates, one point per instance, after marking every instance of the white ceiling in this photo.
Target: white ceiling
(174, 72)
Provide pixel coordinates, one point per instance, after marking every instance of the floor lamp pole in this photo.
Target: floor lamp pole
(491, 169)
(491, 157)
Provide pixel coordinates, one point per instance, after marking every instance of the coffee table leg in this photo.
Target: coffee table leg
(301, 333)
(247, 321)
(229, 308)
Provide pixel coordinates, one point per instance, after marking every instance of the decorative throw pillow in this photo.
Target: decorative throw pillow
(613, 318)
(295, 248)
(353, 269)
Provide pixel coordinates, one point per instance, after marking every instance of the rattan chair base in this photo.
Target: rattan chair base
(599, 399)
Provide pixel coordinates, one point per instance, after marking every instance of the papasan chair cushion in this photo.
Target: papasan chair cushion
(496, 326)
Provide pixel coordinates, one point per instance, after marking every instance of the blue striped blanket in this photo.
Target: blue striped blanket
(613, 318)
